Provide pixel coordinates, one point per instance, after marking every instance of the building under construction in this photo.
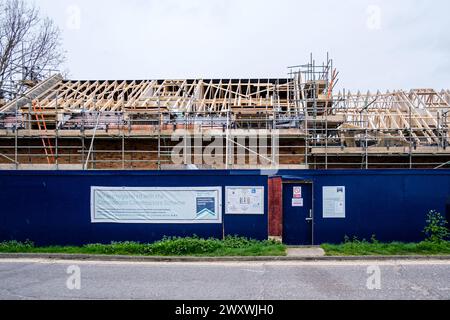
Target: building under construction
(117, 124)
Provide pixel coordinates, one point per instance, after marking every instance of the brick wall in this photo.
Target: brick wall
(275, 207)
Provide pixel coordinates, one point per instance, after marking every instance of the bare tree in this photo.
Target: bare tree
(29, 45)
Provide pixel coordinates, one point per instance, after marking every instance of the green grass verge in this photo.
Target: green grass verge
(231, 246)
(365, 248)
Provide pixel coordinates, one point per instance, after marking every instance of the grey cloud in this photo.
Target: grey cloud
(258, 38)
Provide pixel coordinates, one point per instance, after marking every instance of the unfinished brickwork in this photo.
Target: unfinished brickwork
(295, 122)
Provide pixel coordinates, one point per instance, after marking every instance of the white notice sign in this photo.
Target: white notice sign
(334, 202)
(297, 202)
(244, 200)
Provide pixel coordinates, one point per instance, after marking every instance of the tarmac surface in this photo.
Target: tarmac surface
(271, 280)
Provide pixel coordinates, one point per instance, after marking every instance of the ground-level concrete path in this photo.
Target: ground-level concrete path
(305, 252)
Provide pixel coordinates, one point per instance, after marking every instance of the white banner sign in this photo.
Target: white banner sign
(334, 202)
(245, 200)
(156, 205)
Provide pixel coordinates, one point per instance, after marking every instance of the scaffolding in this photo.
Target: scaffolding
(64, 124)
(313, 87)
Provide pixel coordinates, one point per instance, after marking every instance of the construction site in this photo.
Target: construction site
(60, 124)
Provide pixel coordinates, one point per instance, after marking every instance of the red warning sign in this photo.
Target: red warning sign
(297, 192)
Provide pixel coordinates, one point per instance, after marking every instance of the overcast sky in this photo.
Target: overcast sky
(378, 44)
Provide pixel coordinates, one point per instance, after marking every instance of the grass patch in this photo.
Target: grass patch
(194, 246)
(365, 248)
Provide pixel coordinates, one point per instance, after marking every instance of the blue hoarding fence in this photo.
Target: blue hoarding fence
(390, 204)
(53, 207)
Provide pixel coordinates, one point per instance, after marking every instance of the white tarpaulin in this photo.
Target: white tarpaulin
(334, 202)
(244, 200)
(156, 205)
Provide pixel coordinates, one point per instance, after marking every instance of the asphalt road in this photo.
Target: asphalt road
(43, 279)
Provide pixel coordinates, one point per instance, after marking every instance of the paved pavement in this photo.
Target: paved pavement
(305, 252)
(45, 279)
